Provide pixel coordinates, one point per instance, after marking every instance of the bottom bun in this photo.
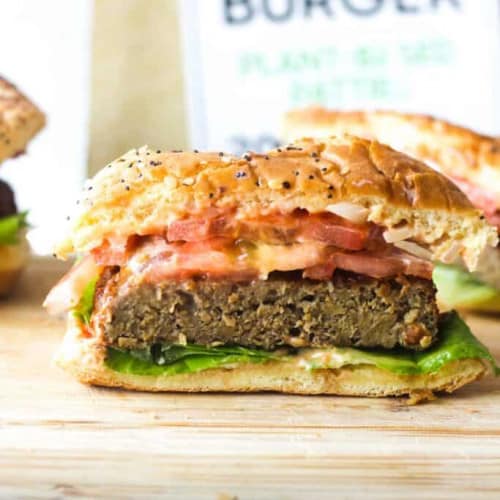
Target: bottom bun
(84, 358)
(12, 260)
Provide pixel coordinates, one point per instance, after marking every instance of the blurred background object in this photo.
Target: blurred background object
(219, 74)
(137, 81)
(249, 59)
(20, 121)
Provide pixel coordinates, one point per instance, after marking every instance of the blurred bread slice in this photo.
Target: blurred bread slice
(20, 120)
(457, 152)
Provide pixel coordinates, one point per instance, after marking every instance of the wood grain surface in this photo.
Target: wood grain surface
(60, 439)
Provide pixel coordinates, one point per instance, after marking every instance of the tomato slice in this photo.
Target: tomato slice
(376, 265)
(382, 265)
(196, 229)
(115, 251)
(216, 246)
(333, 230)
(275, 229)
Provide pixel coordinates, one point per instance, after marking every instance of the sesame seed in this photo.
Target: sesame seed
(210, 195)
(330, 187)
(279, 150)
(240, 175)
(266, 157)
(286, 185)
(176, 150)
(247, 157)
(324, 169)
(158, 151)
(314, 154)
(130, 165)
(195, 151)
(311, 177)
(297, 173)
(122, 180)
(257, 184)
(330, 196)
(188, 181)
(293, 148)
(316, 160)
(221, 154)
(90, 188)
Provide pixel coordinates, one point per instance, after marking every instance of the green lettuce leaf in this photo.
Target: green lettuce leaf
(456, 342)
(459, 289)
(10, 227)
(83, 309)
(175, 359)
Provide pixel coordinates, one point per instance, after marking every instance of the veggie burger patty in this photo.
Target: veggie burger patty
(349, 310)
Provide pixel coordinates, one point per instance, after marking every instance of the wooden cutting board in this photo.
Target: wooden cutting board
(61, 439)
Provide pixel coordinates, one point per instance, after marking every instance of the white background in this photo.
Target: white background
(456, 81)
(45, 48)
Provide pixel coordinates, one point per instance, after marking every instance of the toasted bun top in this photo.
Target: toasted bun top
(143, 191)
(20, 120)
(456, 151)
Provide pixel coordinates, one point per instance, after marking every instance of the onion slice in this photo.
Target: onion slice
(452, 254)
(67, 293)
(414, 249)
(398, 234)
(350, 211)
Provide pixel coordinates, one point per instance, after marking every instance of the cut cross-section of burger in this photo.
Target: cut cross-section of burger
(304, 270)
(20, 120)
(469, 159)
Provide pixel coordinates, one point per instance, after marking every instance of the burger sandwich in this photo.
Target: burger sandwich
(282, 271)
(470, 160)
(20, 120)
